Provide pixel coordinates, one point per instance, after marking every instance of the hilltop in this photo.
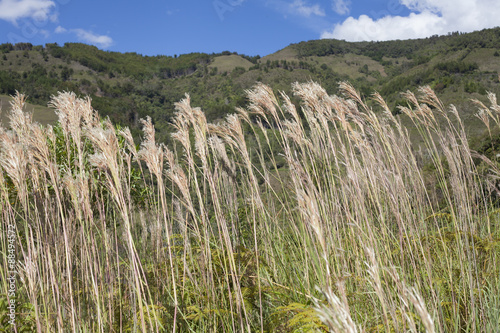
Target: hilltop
(129, 86)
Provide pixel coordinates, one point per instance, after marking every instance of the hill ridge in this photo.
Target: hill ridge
(129, 86)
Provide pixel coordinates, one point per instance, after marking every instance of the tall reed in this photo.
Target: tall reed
(323, 216)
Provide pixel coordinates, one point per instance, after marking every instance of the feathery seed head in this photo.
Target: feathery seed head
(428, 96)
(262, 101)
(129, 140)
(311, 94)
(14, 162)
(150, 152)
(219, 150)
(289, 107)
(244, 115)
(350, 92)
(148, 129)
(106, 142)
(335, 314)
(20, 121)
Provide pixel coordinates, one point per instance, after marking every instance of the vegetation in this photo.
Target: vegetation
(129, 86)
(277, 219)
(412, 49)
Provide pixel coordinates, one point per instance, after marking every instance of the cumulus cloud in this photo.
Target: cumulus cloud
(87, 36)
(12, 10)
(60, 30)
(301, 8)
(427, 17)
(341, 7)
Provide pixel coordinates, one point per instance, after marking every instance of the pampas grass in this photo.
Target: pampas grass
(327, 218)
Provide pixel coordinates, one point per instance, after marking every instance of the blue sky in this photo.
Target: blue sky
(246, 26)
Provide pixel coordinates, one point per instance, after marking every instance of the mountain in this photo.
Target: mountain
(129, 86)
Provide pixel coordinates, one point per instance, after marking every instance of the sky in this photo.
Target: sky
(251, 27)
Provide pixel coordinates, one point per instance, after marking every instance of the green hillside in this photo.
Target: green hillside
(228, 63)
(129, 86)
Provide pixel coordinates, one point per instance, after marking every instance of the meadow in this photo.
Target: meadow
(323, 218)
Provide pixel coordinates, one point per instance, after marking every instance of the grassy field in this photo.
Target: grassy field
(42, 115)
(323, 219)
(227, 63)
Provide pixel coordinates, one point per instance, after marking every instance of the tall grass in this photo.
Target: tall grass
(326, 218)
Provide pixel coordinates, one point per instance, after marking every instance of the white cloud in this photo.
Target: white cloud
(60, 30)
(341, 7)
(12, 10)
(301, 8)
(87, 36)
(428, 17)
(54, 17)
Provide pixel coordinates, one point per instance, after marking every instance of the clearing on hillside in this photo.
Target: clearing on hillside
(227, 63)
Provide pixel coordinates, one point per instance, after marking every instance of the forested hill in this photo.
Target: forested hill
(129, 86)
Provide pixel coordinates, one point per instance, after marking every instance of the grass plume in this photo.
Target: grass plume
(323, 216)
